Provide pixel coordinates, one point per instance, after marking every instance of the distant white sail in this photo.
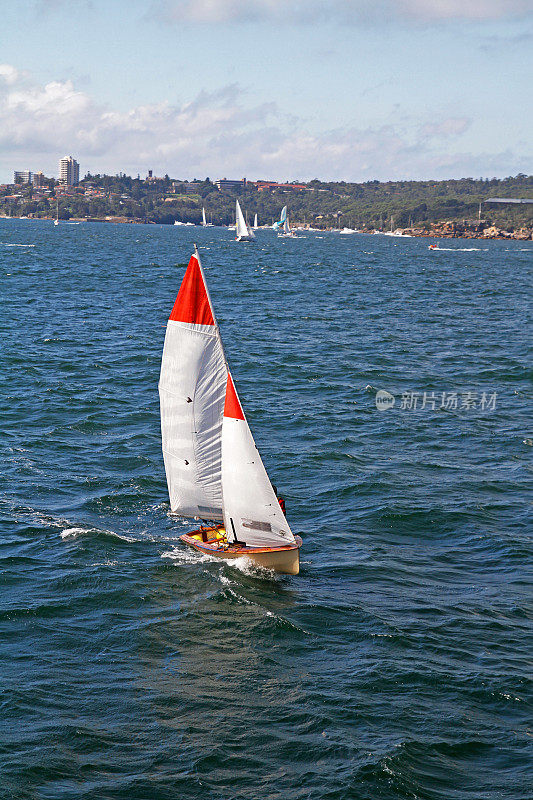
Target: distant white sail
(204, 221)
(243, 231)
(192, 390)
(255, 223)
(252, 513)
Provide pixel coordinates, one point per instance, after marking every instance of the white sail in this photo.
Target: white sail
(252, 513)
(243, 231)
(286, 226)
(204, 221)
(192, 390)
(241, 227)
(255, 223)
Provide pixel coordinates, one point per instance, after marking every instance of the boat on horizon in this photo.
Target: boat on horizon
(243, 232)
(205, 223)
(283, 227)
(213, 467)
(396, 231)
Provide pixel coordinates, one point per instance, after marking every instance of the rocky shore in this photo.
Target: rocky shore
(469, 230)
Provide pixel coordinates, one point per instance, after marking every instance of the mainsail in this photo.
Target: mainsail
(204, 221)
(252, 514)
(192, 391)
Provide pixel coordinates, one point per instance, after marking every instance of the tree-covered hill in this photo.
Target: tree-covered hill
(320, 204)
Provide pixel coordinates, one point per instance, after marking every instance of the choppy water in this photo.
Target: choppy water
(396, 664)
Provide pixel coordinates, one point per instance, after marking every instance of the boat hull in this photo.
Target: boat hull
(284, 559)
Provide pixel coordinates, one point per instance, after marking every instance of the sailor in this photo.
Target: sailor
(281, 501)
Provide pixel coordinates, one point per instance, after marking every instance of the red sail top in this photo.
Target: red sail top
(192, 303)
(232, 406)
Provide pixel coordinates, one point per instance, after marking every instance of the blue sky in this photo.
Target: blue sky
(281, 89)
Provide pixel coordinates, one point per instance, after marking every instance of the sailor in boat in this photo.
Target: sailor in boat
(281, 500)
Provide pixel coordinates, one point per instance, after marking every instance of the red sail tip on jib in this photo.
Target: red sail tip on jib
(192, 303)
(232, 406)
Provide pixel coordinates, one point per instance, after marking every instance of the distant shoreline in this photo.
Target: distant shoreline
(492, 233)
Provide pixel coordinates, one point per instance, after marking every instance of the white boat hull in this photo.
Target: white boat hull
(285, 559)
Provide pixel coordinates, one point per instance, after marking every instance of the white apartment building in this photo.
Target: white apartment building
(22, 176)
(69, 171)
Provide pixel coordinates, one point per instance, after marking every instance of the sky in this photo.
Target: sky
(352, 90)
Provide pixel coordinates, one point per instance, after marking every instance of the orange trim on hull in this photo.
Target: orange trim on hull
(283, 559)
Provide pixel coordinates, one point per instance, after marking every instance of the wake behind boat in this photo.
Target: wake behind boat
(213, 468)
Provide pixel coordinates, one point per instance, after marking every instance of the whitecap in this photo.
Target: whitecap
(72, 533)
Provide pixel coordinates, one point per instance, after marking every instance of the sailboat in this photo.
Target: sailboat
(213, 468)
(397, 231)
(205, 223)
(56, 221)
(391, 231)
(281, 221)
(255, 227)
(286, 230)
(243, 232)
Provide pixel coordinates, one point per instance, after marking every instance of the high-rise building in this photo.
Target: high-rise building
(69, 171)
(39, 180)
(22, 176)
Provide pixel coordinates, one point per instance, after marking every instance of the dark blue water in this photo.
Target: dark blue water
(396, 664)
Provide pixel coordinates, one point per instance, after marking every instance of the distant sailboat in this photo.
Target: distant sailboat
(286, 230)
(279, 225)
(255, 223)
(243, 232)
(205, 223)
(56, 221)
(391, 231)
(397, 231)
(213, 468)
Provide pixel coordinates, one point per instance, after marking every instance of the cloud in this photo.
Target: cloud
(451, 126)
(220, 134)
(9, 74)
(343, 11)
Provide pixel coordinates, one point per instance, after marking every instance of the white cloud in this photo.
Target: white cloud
(345, 11)
(451, 126)
(218, 134)
(8, 74)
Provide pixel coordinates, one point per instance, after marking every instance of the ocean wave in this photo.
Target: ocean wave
(74, 533)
